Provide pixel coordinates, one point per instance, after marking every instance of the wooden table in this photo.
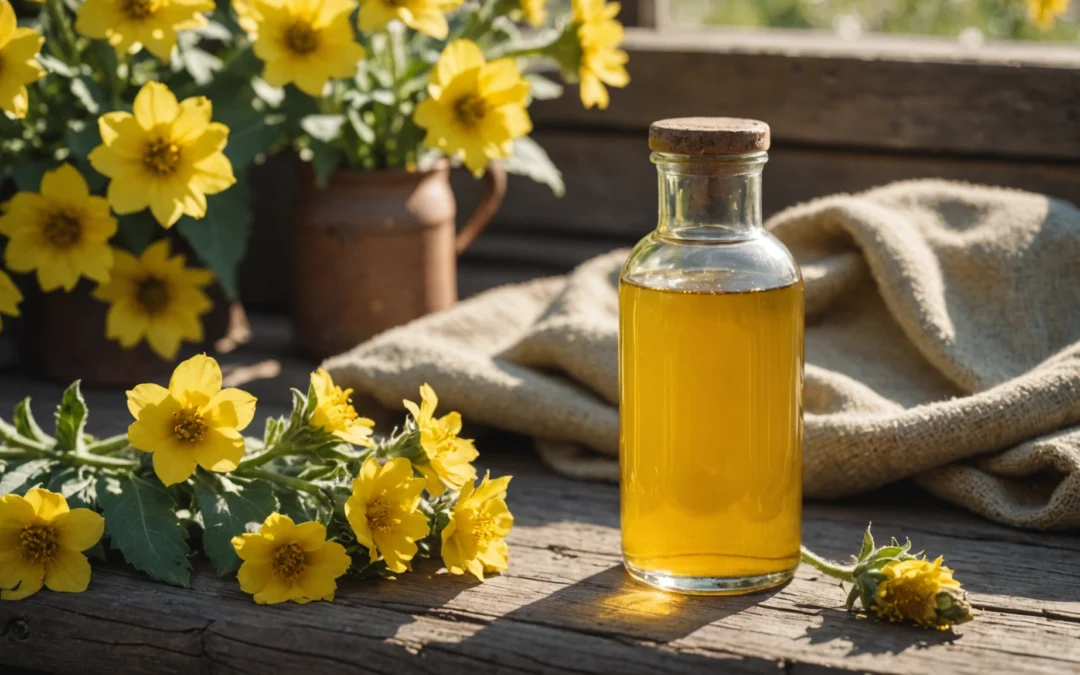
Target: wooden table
(565, 606)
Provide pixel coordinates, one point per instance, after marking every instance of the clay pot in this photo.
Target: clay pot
(63, 339)
(374, 250)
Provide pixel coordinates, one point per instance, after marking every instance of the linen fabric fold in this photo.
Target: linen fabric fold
(942, 344)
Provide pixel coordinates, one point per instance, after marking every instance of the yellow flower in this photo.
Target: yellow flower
(19, 48)
(383, 511)
(10, 297)
(192, 422)
(425, 16)
(334, 412)
(306, 42)
(1044, 12)
(167, 156)
(246, 16)
(602, 62)
(41, 540)
(476, 107)
(156, 298)
(923, 592)
(449, 457)
(130, 25)
(473, 539)
(62, 232)
(285, 561)
(534, 11)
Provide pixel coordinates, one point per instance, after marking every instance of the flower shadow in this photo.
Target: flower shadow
(865, 634)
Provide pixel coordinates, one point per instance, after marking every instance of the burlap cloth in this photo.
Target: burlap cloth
(943, 343)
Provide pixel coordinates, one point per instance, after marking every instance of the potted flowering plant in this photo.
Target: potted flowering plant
(385, 96)
(125, 188)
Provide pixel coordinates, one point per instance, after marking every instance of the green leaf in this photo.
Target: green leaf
(27, 426)
(28, 174)
(256, 137)
(325, 128)
(22, 477)
(543, 88)
(272, 96)
(867, 544)
(140, 518)
(302, 507)
(324, 161)
(137, 230)
(220, 237)
(363, 130)
(71, 420)
(230, 507)
(90, 95)
(76, 484)
(529, 159)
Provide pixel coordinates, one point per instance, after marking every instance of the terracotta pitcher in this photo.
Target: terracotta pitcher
(374, 250)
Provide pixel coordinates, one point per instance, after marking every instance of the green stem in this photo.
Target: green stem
(15, 453)
(285, 481)
(78, 458)
(64, 34)
(280, 449)
(109, 446)
(833, 569)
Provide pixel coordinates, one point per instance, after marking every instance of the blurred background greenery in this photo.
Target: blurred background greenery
(968, 20)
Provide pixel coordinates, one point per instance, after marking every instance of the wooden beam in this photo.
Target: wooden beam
(915, 94)
(611, 185)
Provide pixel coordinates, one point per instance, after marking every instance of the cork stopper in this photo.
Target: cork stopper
(708, 136)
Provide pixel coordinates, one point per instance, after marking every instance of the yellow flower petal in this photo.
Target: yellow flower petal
(78, 530)
(47, 505)
(220, 450)
(232, 408)
(173, 467)
(21, 579)
(144, 395)
(67, 572)
(155, 105)
(196, 381)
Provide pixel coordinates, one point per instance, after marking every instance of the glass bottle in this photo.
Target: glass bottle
(710, 373)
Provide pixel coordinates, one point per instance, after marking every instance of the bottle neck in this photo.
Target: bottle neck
(710, 198)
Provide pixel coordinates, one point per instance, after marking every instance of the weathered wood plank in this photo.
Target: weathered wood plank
(611, 185)
(566, 606)
(922, 94)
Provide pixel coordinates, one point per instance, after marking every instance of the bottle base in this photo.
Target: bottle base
(709, 585)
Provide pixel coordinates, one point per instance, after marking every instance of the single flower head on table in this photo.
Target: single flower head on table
(473, 538)
(384, 514)
(192, 423)
(446, 461)
(286, 562)
(899, 586)
(334, 411)
(41, 543)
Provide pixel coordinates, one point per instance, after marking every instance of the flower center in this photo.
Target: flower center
(301, 38)
(153, 294)
(138, 9)
(188, 425)
(289, 562)
(379, 517)
(62, 229)
(341, 400)
(161, 157)
(37, 543)
(483, 530)
(470, 109)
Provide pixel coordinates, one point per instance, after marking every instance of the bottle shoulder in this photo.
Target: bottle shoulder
(755, 263)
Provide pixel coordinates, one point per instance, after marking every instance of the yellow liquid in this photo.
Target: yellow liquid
(711, 430)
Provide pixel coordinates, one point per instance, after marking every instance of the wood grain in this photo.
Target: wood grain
(916, 94)
(565, 606)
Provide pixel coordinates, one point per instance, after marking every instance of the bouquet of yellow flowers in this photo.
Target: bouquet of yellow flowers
(289, 513)
(128, 126)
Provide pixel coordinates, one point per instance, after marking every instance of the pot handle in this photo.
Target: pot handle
(494, 192)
